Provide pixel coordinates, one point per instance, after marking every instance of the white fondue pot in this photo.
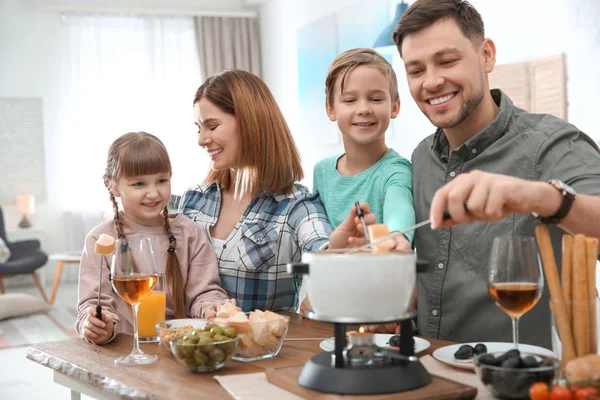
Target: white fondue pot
(359, 288)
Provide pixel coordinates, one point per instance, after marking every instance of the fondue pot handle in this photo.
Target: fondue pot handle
(422, 266)
(297, 268)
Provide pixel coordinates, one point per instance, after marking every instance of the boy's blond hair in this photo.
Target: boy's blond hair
(350, 59)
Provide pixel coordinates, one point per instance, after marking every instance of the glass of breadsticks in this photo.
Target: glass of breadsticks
(574, 298)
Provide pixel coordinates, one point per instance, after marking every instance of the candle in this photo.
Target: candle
(361, 338)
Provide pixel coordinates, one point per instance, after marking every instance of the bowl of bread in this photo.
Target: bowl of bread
(260, 333)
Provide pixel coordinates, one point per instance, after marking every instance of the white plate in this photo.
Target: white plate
(381, 340)
(446, 354)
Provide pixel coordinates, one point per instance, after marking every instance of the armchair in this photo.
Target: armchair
(26, 258)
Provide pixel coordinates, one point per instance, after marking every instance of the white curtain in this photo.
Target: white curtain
(121, 74)
(226, 42)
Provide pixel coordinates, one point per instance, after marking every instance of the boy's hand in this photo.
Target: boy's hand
(98, 331)
(402, 243)
(392, 327)
(350, 232)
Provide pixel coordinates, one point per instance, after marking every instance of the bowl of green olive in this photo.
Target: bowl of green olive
(207, 349)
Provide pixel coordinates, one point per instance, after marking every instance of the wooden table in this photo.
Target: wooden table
(90, 370)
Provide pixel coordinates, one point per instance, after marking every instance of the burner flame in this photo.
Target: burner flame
(361, 329)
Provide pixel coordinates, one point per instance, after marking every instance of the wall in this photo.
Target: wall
(551, 26)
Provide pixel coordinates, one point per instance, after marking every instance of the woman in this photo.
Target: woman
(257, 217)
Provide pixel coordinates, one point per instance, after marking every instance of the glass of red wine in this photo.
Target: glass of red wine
(515, 278)
(133, 276)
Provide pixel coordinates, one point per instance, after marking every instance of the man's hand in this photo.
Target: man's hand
(486, 197)
(98, 331)
(350, 232)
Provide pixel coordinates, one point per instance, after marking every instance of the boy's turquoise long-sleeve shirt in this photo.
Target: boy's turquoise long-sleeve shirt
(386, 186)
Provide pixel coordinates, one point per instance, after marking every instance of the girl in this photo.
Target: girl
(257, 217)
(138, 171)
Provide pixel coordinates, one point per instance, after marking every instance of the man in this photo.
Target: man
(494, 162)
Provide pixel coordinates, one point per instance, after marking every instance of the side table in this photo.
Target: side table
(62, 259)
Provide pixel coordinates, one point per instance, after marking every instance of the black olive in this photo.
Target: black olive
(487, 359)
(512, 362)
(512, 353)
(480, 349)
(545, 376)
(464, 352)
(521, 384)
(530, 362)
(395, 341)
(487, 376)
(501, 358)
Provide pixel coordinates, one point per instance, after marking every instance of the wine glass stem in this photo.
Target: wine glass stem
(515, 324)
(136, 344)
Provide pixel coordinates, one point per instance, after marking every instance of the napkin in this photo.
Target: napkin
(465, 377)
(253, 387)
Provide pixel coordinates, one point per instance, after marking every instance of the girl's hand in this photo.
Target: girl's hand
(211, 311)
(98, 331)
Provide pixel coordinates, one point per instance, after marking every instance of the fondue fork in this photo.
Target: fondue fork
(369, 245)
(362, 220)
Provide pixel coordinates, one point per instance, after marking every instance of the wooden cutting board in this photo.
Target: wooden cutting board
(439, 388)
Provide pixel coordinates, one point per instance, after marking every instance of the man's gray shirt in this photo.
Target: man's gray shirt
(453, 298)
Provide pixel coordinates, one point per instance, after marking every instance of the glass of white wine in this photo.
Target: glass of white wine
(515, 279)
(133, 276)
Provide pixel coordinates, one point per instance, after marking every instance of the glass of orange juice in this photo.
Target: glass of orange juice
(152, 310)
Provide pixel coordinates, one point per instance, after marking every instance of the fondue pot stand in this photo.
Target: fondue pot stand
(362, 289)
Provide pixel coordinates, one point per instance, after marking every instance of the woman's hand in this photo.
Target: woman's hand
(350, 232)
(98, 331)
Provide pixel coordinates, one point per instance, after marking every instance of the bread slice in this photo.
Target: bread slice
(376, 232)
(105, 245)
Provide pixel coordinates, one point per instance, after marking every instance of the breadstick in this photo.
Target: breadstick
(560, 309)
(567, 273)
(591, 245)
(581, 310)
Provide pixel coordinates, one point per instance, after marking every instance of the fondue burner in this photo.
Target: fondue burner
(364, 368)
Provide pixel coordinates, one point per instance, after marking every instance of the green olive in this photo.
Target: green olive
(230, 332)
(200, 357)
(191, 339)
(220, 338)
(208, 334)
(206, 345)
(228, 348)
(197, 332)
(217, 330)
(217, 355)
(207, 328)
(187, 351)
(180, 351)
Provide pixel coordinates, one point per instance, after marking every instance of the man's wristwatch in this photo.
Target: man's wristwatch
(568, 197)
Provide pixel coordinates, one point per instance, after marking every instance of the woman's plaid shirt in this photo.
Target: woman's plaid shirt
(273, 231)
